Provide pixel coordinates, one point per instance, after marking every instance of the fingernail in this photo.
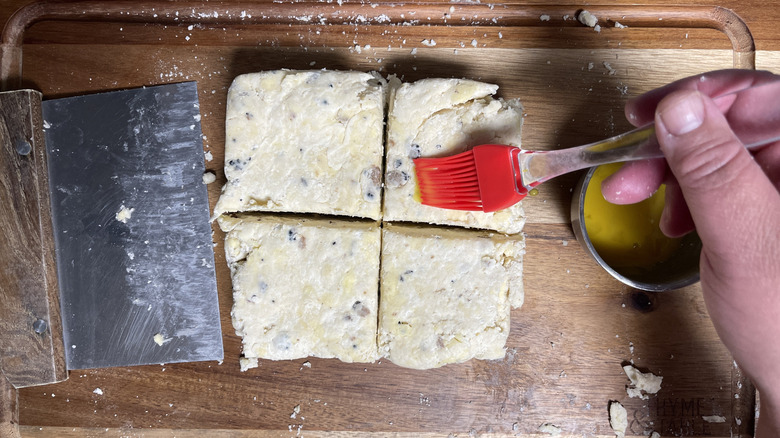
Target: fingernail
(682, 113)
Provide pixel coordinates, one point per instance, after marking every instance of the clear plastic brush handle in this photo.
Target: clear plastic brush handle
(753, 124)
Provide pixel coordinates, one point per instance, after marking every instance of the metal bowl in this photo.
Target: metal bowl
(679, 270)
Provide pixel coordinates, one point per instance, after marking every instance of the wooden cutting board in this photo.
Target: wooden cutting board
(578, 326)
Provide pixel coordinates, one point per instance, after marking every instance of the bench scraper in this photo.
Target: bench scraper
(129, 218)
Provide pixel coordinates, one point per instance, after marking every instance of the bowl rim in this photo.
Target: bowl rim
(577, 215)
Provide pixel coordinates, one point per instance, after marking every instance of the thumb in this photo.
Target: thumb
(723, 186)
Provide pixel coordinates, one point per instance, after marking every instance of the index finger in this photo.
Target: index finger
(641, 110)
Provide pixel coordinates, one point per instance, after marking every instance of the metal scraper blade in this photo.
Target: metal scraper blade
(131, 225)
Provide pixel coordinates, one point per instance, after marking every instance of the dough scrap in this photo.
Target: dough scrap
(124, 214)
(588, 19)
(618, 418)
(641, 383)
(550, 429)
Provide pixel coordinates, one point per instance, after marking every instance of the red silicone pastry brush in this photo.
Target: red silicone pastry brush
(493, 177)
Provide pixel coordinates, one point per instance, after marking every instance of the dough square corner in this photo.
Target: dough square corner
(303, 287)
(446, 295)
(304, 142)
(442, 117)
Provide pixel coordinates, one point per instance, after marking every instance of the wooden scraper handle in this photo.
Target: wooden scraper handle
(31, 348)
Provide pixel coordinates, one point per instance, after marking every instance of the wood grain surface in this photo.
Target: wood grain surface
(32, 351)
(567, 344)
(9, 409)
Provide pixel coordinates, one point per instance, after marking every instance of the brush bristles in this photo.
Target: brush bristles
(449, 182)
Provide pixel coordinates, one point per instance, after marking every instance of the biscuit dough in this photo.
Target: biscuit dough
(445, 294)
(303, 287)
(437, 118)
(304, 142)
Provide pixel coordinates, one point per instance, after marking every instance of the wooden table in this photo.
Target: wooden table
(578, 326)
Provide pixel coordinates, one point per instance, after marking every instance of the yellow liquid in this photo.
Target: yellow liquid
(626, 236)
(417, 195)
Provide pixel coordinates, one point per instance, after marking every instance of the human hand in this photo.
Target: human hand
(732, 198)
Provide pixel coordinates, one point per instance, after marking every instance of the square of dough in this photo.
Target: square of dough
(303, 287)
(304, 142)
(446, 294)
(442, 117)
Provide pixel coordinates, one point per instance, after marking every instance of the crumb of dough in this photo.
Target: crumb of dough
(714, 418)
(296, 411)
(609, 68)
(587, 19)
(247, 363)
(98, 391)
(161, 340)
(655, 435)
(618, 418)
(550, 429)
(209, 177)
(544, 17)
(429, 43)
(647, 383)
(620, 26)
(124, 214)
